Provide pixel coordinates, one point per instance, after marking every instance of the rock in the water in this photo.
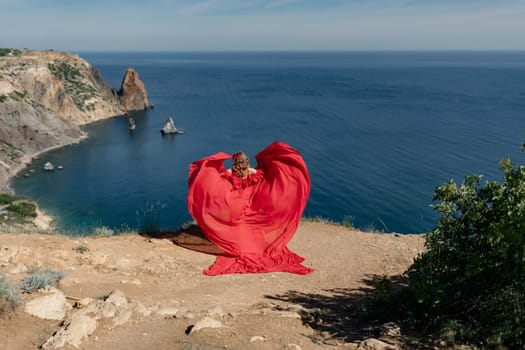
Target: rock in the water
(169, 127)
(132, 92)
(49, 167)
(131, 124)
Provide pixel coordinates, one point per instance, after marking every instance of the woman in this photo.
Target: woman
(251, 213)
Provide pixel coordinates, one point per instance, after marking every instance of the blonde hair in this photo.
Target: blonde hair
(241, 164)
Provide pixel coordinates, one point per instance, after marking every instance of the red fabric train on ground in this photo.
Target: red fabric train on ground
(254, 218)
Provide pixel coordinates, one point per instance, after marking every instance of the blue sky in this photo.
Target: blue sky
(211, 25)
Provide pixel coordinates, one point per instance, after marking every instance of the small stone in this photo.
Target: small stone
(116, 298)
(375, 344)
(216, 312)
(390, 329)
(206, 322)
(293, 346)
(295, 307)
(290, 314)
(168, 311)
(189, 315)
(84, 302)
(331, 341)
(256, 338)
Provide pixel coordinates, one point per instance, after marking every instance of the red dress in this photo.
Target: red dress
(254, 218)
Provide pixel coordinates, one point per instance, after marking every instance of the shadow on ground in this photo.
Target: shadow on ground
(187, 236)
(342, 314)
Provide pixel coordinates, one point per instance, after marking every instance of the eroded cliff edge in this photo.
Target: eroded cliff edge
(45, 96)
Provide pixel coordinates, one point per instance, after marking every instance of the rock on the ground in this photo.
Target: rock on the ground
(73, 333)
(206, 322)
(50, 307)
(375, 344)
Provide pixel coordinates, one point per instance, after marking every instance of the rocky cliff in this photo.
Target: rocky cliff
(45, 96)
(132, 92)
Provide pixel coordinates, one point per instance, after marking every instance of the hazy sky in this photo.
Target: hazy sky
(184, 25)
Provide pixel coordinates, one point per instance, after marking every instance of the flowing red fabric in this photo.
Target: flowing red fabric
(251, 219)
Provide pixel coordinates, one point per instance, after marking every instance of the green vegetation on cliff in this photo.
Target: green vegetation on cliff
(79, 91)
(16, 210)
(7, 52)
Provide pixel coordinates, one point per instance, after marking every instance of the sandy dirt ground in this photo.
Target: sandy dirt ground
(256, 311)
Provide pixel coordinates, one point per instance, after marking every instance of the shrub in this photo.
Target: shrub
(148, 218)
(6, 52)
(103, 231)
(6, 198)
(17, 95)
(81, 249)
(23, 209)
(9, 295)
(470, 283)
(40, 279)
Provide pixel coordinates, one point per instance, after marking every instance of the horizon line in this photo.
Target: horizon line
(288, 51)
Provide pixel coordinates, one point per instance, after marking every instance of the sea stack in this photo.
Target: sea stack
(169, 127)
(132, 93)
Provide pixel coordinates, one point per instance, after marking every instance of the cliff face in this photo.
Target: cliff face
(132, 92)
(44, 97)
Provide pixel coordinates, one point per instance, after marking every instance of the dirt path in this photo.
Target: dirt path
(257, 311)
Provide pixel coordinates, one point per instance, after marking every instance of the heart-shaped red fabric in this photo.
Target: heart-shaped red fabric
(251, 219)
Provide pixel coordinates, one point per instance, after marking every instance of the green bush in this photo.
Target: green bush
(470, 283)
(103, 231)
(17, 95)
(40, 279)
(5, 52)
(9, 295)
(6, 198)
(23, 209)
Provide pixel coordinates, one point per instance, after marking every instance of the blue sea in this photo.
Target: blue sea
(378, 131)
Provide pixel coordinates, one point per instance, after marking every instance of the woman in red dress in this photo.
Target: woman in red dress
(251, 213)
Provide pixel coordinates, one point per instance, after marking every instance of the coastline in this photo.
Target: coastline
(28, 158)
(42, 221)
